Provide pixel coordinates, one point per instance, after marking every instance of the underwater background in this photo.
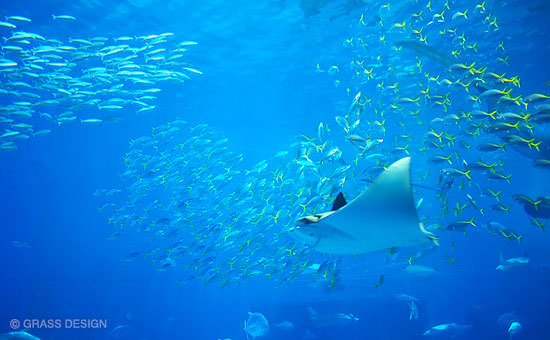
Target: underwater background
(108, 213)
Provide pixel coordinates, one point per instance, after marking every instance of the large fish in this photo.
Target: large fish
(381, 217)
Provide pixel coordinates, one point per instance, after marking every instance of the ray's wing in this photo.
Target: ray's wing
(390, 193)
(384, 215)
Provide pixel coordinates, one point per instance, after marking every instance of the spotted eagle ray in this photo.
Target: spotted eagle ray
(382, 216)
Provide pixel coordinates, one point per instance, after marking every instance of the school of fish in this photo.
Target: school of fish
(48, 82)
(427, 80)
(214, 220)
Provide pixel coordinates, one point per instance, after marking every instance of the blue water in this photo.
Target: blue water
(260, 89)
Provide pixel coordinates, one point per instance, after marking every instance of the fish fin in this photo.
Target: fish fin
(388, 195)
(339, 202)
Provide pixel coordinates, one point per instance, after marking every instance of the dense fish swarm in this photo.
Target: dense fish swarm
(204, 212)
(411, 67)
(49, 82)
